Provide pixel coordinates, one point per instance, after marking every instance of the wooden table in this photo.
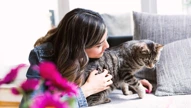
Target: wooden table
(6, 104)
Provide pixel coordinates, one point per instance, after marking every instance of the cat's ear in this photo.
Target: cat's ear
(159, 47)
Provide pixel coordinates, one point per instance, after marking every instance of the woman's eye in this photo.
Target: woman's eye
(98, 46)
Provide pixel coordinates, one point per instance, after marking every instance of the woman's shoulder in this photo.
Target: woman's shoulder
(44, 46)
(44, 50)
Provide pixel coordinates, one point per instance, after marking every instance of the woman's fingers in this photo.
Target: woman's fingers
(109, 82)
(105, 72)
(97, 82)
(108, 77)
(93, 73)
(147, 84)
(105, 76)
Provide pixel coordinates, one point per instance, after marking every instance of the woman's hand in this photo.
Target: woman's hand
(147, 84)
(96, 83)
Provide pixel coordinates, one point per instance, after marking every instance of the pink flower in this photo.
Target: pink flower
(29, 85)
(48, 100)
(11, 76)
(68, 87)
(49, 72)
(15, 91)
(26, 87)
(63, 84)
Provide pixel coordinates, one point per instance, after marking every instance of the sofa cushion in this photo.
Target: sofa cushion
(174, 69)
(162, 29)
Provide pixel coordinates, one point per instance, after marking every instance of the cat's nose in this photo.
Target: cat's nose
(151, 66)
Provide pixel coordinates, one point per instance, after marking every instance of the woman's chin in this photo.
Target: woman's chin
(99, 56)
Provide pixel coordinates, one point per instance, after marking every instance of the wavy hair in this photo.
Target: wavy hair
(78, 30)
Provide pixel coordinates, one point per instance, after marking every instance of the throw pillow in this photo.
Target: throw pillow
(162, 29)
(174, 69)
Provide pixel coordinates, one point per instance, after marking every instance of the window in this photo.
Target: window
(105, 6)
(187, 6)
(170, 7)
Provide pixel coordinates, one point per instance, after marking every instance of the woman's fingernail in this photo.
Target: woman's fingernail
(147, 91)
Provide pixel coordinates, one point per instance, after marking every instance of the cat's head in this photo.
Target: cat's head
(148, 52)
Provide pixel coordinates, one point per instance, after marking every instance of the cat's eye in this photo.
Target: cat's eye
(145, 52)
(154, 61)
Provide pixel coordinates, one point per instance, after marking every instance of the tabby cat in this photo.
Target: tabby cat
(122, 62)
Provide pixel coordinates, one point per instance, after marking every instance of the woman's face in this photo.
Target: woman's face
(98, 50)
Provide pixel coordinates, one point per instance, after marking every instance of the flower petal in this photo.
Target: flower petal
(11, 76)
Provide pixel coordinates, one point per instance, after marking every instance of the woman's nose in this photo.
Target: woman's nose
(106, 45)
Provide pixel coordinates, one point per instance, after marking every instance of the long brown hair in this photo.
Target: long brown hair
(78, 30)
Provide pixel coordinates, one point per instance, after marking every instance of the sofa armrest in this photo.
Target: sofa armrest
(116, 40)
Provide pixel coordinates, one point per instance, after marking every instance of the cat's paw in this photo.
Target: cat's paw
(107, 100)
(140, 91)
(141, 94)
(127, 92)
(126, 89)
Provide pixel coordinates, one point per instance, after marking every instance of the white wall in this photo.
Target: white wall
(22, 22)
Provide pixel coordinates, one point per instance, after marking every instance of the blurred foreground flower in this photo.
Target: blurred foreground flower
(49, 72)
(60, 93)
(26, 87)
(11, 76)
(48, 100)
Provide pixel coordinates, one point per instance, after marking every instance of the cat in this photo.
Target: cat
(122, 62)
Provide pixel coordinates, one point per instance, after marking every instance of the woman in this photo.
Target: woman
(80, 35)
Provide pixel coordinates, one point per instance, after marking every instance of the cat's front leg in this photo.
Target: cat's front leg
(140, 90)
(137, 86)
(125, 89)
